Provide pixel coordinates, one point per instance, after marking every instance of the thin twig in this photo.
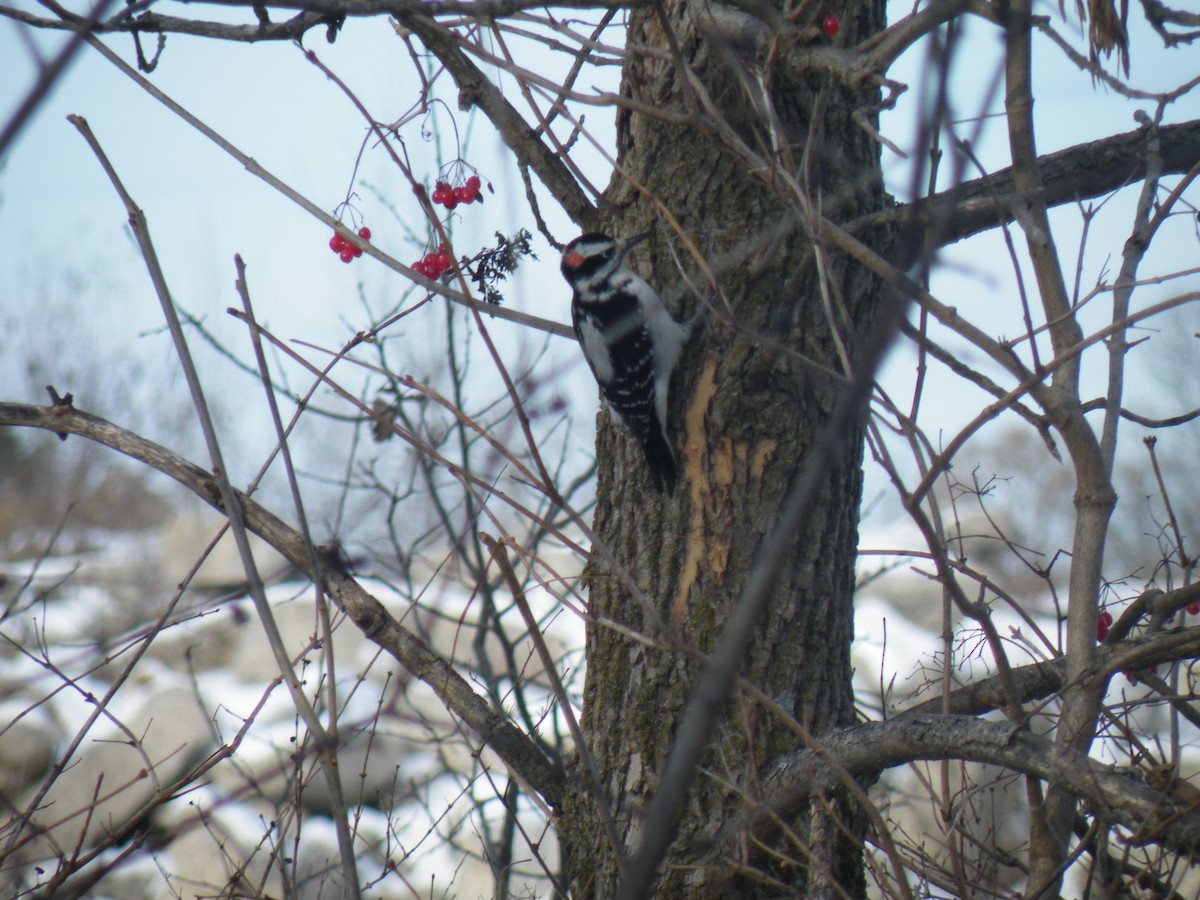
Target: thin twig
(368, 614)
(229, 501)
(50, 73)
(254, 168)
(593, 780)
(327, 742)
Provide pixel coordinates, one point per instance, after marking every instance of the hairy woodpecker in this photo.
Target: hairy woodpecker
(629, 340)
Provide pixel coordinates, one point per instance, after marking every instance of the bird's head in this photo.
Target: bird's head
(594, 257)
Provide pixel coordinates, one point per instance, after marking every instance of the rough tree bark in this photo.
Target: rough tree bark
(747, 411)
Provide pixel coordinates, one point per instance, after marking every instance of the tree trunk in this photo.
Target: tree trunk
(747, 412)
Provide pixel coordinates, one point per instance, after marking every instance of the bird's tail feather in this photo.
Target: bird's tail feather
(661, 459)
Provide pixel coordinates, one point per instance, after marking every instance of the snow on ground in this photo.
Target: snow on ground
(416, 784)
(207, 683)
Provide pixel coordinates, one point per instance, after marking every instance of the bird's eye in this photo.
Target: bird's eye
(609, 253)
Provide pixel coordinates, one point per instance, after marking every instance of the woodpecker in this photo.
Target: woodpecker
(629, 340)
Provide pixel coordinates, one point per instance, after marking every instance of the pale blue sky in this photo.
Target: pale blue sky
(61, 222)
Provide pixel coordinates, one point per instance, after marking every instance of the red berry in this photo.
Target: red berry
(357, 251)
(474, 183)
(444, 262)
(1103, 624)
(337, 242)
(830, 25)
(1194, 608)
(347, 255)
(450, 201)
(419, 268)
(364, 233)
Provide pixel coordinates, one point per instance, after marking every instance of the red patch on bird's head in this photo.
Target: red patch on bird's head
(573, 260)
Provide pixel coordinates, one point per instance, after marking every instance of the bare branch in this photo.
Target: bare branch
(476, 89)
(50, 73)
(500, 555)
(312, 13)
(1075, 173)
(372, 618)
(866, 750)
(1039, 680)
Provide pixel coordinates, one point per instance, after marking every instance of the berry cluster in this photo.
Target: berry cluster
(450, 197)
(345, 250)
(434, 264)
(830, 25)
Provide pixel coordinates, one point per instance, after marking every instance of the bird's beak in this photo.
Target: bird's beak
(629, 243)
